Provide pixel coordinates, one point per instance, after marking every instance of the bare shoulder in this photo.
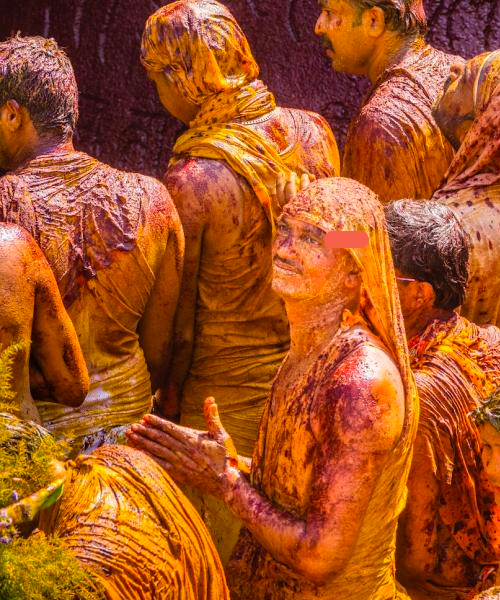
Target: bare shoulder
(14, 237)
(202, 187)
(201, 177)
(366, 397)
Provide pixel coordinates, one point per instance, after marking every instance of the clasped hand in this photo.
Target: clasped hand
(200, 459)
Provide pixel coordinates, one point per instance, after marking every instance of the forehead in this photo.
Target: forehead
(299, 224)
(333, 4)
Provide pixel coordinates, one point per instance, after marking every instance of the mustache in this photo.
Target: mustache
(325, 42)
(289, 263)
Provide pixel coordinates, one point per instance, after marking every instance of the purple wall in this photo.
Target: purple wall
(123, 123)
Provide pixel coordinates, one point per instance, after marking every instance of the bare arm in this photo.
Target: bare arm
(417, 553)
(156, 325)
(369, 414)
(60, 373)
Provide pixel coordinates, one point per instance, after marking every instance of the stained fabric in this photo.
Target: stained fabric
(124, 518)
(98, 232)
(284, 460)
(456, 366)
(394, 146)
(472, 190)
(241, 331)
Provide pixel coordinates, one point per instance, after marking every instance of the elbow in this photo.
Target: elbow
(77, 391)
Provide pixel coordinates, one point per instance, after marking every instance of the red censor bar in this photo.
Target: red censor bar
(346, 239)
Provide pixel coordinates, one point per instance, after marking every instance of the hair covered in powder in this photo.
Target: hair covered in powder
(200, 47)
(38, 75)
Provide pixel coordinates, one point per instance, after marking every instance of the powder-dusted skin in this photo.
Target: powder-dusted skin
(449, 526)
(472, 191)
(126, 520)
(33, 317)
(241, 332)
(105, 234)
(284, 468)
(309, 420)
(394, 145)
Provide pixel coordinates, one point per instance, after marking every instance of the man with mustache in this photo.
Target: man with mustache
(394, 145)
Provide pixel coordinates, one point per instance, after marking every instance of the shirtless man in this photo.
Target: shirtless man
(394, 145)
(329, 472)
(33, 319)
(231, 331)
(113, 240)
(443, 546)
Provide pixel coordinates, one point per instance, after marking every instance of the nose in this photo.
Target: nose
(319, 28)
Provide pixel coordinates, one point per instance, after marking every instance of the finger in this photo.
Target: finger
(304, 181)
(162, 452)
(291, 187)
(212, 418)
(177, 431)
(280, 188)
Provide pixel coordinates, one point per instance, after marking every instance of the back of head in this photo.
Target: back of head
(429, 244)
(406, 17)
(39, 76)
(200, 47)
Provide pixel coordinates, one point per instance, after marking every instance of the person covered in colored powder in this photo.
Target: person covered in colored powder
(231, 330)
(444, 551)
(394, 145)
(36, 333)
(469, 114)
(120, 515)
(487, 419)
(113, 240)
(328, 476)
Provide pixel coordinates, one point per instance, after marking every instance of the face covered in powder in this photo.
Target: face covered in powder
(305, 268)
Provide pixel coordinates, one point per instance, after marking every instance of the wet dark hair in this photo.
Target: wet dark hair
(399, 15)
(429, 244)
(38, 75)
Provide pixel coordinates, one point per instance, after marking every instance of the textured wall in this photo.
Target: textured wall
(123, 123)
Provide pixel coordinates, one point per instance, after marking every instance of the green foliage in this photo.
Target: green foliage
(25, 467)
(41, 569)
(7, 358)
(489, 411)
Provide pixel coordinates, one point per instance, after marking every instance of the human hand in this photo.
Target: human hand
(192, 457)
(288, 187)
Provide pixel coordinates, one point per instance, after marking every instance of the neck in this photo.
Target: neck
(313, 324)
(42, 146)
(390, 51)
(419, 323)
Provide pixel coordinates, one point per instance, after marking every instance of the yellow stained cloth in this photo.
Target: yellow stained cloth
(472, 190)
(457, 367)
(97, 230)
(394, 145)
(125, 519)
(284, 462)
(241, 331)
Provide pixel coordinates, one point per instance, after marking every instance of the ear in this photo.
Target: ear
(374, 21)
(425, 295)
(353, 279)
(11, 116)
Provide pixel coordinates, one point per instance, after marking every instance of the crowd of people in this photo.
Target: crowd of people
(245, 410)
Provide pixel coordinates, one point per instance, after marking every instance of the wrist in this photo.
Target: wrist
(230, 480)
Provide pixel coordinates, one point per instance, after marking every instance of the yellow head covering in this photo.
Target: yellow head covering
(340, 204)
(477, 162)
(201, 48)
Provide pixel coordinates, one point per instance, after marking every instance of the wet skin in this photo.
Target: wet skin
(33, 312)
(320, 545)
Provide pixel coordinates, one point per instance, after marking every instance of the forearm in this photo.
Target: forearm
(278, 532)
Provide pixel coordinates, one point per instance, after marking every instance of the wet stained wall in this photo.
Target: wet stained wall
(123, 123)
